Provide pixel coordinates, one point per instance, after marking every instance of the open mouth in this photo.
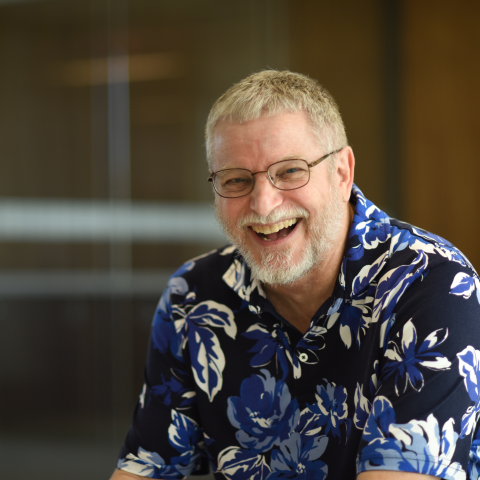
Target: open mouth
(275, 231)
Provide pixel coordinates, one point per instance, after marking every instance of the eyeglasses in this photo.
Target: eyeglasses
(284, 175)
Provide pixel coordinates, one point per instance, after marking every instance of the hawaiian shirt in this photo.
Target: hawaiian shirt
(386, 378)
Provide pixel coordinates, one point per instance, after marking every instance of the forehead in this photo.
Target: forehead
(265, 139)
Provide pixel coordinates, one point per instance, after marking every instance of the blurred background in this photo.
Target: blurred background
(103, 190)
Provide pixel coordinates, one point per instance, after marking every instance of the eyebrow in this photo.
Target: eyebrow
(288, 157)
(292, 157)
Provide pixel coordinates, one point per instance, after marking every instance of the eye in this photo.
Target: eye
(291, 171)
(234, 181)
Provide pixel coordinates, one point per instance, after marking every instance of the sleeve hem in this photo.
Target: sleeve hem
(367, 463)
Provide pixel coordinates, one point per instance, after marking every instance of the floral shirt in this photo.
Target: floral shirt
(387, 377)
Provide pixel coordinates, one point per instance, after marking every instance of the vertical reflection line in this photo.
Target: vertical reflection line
(269, 34)
(392, 114)
(284, 32)
(119, 196)
(99, 189)
(255, 61)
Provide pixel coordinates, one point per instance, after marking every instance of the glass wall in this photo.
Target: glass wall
(103, 190)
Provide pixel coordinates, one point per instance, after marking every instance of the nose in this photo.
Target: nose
(264, 197)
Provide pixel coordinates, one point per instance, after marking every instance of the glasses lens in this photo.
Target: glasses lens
(289, 174)
(233, 183)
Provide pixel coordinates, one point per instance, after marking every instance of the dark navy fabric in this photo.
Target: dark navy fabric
(387, 376)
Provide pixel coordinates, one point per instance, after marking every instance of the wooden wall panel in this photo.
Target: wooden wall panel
(340, 44)
(441, 119)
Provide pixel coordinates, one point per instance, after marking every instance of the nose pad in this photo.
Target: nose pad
(265, 197)
(271, 179)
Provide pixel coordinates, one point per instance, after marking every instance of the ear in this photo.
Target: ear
(345, 167)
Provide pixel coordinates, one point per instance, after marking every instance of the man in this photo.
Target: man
(328, 339)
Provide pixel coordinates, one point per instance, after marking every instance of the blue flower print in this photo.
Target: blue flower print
(420, 240)
(173, 391)
(228, 250)
(372, 229)
(416, 446)
(176, 286)
(332, 409)
(363, 403)
(379, 420)
(169, 318)
(443, 247)
(464, 285)
(469, 367)
(391, 287)
(309, 425)
(474, 459)
(311, 342)
(238, 464)
(174, 324)
(207, 357)
(270, 345)
(186, 267)
(370, 225)
(148, 464)
(235, 278)
(264, 413)
(403, 238)
(167, 336)
(354, 314)
(298, 460)
(431, 237)
(185, 436)
(404, 358)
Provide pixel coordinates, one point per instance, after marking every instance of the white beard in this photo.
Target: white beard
(276, 266)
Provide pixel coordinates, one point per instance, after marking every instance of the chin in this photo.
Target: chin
(277, 267)
(288, 264)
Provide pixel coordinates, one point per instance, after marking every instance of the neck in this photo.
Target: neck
(298, 302)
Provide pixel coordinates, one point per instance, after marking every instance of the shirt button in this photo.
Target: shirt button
(303, 357)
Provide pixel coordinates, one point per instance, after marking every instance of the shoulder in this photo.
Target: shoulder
(212, 276)
(429, 282)
(376, 238)
(206, 269)
(410, 272)
(212, 264)
(408, 241)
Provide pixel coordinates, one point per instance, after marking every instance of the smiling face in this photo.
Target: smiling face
(281, 234)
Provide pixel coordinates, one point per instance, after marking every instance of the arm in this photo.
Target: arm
(121, 475)
(165, 423)
(389, 475)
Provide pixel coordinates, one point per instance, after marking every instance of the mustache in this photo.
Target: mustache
(273, 217)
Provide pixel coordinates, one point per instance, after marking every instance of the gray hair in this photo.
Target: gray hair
(270, 92)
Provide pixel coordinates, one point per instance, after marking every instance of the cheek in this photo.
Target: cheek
(226, 212)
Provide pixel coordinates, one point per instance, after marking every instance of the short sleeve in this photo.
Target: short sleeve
(165, 439)
(423, 416)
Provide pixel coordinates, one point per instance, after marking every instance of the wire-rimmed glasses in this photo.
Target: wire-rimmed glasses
(288, 174)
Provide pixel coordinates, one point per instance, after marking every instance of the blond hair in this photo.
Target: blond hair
(270, 92)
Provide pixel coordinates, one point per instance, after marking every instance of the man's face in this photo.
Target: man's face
(304, 223)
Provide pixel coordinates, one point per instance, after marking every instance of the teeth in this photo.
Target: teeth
(266, 229)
